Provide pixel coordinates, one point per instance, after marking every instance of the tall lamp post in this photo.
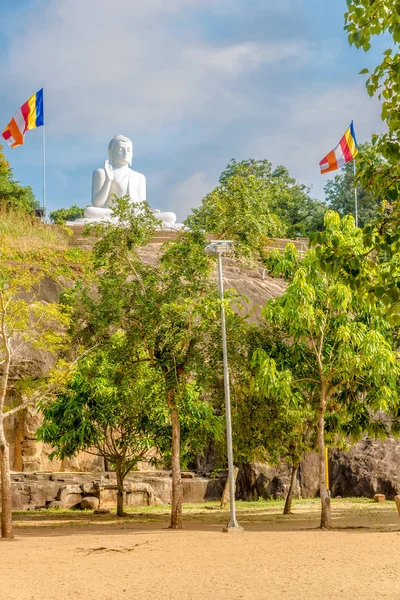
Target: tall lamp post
(220, 247)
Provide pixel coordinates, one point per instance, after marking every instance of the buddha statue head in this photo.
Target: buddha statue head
(120, 151)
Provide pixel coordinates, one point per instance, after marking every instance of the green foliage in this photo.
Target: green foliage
(289, 200)
(199, 424)
(275, 423)
(29, 322)
(254, 203)
(336, 355)
(12, 194)
(238, 209)
(165, 309)
(364, 20)
(283, 265)
(61, 215)
(321, 314)
(105, 408)
(367, 260)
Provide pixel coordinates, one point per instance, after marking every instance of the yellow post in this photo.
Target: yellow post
(326, 468)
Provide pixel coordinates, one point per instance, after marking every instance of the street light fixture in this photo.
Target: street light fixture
(220, 247)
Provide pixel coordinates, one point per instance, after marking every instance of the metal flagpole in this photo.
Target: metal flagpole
(44, 170)
(355, 193)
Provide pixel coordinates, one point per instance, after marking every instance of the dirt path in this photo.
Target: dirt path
(273, 559)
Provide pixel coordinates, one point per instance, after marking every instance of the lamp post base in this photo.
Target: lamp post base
(233, 528)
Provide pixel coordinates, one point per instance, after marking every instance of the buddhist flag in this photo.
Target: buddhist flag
(29, 116)
(343, 153)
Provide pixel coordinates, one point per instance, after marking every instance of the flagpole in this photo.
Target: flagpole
(44, 171)
(355, 193)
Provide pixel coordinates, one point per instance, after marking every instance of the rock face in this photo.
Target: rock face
(272, 482)
(369, 468)
(99, 491)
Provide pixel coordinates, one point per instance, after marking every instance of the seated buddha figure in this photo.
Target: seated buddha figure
(118, 179)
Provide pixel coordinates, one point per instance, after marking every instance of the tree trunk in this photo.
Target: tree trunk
(120, 485)
(323, 491)
(6, 490)
(289, 497)
(6, 493)
(176, 511)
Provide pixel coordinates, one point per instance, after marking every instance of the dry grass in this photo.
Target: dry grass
(27, 233)
(348, 513)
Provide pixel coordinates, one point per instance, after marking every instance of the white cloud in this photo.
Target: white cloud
(187, 194)
(305, 127)
(296, 132)
(125, 68)
(245, 57)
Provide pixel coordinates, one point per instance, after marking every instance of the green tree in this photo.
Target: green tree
(61, 215)
(277, 422)
(239, 209)
(288, 199)
(365, 19)
(165, 310)
(373, 268)
(27, 322)
(12, 194)
(108, 408)
(339, 340)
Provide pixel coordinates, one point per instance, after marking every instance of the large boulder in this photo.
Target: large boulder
(259, 480)
(70, 496)
(368, 468)
(90, 503)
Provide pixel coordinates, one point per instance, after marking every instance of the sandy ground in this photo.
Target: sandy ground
(102, 558)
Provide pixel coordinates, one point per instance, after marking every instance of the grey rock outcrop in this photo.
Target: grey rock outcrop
(259, 480)
(99, 491)
(368, 468)
(90, 503)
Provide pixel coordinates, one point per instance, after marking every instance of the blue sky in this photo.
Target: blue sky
(193, 83)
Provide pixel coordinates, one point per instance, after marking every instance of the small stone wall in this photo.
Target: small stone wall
(32, 491)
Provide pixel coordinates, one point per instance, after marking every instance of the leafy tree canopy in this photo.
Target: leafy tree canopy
(373, 267)
(12, 194)
(61, 215)
(340, 353)
(165, 308)
(27, 323)
(289, 200)
(364, 20)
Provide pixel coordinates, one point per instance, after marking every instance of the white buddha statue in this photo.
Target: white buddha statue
(118, 179)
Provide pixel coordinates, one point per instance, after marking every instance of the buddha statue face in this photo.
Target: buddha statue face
(120, 151)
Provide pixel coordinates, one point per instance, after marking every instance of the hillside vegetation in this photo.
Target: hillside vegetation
(22, 232)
